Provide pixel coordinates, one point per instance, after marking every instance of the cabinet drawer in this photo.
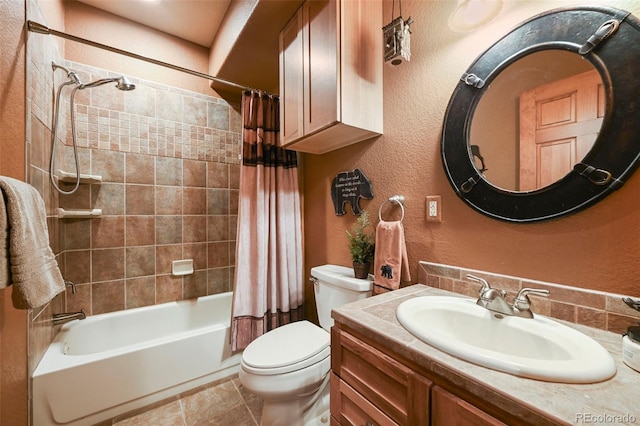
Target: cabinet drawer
(351, 408)
(390, 386)
(449, 410)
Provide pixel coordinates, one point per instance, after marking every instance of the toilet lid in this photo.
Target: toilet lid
(286, 345)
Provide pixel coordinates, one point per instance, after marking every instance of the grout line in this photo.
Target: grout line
(244, 402)
(183, 415)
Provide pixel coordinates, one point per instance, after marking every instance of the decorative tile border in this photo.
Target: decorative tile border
(605, 311)
(153, 119)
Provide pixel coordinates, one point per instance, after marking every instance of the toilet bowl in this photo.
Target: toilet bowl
(289, 366)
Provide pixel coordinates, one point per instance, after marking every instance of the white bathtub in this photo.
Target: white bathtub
(108, 364)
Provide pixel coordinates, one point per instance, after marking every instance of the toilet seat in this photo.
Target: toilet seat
(285, 349)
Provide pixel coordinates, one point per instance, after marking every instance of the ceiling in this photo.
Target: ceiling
(246, 48)
(194, 20)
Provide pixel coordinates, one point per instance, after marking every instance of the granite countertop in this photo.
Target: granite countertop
(615, 401)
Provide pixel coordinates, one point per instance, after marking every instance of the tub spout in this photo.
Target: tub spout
(71, 284)
(68, 316)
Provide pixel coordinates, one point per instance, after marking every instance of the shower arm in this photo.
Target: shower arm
(42, 29)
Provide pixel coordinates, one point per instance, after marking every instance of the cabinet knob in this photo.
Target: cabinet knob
(369, 423)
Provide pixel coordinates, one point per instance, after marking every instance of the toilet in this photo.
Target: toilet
(289, 366)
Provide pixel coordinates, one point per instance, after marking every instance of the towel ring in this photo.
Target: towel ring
(396, 199)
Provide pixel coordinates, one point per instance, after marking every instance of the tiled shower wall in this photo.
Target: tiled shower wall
(41, 52)
(169, 160)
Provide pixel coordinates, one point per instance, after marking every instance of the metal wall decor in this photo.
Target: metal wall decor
(349, 187)
(397, 38)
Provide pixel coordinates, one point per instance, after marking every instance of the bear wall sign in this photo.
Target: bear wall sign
(350, 187)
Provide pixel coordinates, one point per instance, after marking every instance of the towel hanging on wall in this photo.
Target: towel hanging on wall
(26, 259)
(390, 262)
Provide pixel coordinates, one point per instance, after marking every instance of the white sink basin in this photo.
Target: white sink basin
(537, 348)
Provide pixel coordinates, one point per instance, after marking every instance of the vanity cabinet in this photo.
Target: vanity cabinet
(331, 60)
(370, 386)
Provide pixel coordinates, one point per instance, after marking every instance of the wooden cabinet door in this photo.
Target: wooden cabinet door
(368, 374)
(331, 75)
(353, 408)
(320, 41)
(291, 81)
(449, 410)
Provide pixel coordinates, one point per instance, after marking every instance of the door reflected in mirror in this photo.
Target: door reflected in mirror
(537, 118)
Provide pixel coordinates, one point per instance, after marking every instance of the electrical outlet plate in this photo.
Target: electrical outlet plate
(434, 208)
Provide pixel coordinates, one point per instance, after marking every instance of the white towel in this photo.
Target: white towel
(26, 260)
(390, 261)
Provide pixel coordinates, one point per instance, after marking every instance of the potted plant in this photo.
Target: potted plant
(361, 246)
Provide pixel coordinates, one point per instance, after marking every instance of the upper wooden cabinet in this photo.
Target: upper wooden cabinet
(331, 75)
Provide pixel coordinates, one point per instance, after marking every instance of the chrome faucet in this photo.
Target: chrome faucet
(494, 300)
(68, 316)
(491, 298)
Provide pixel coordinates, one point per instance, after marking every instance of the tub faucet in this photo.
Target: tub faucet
(494, 300)
(68, 316)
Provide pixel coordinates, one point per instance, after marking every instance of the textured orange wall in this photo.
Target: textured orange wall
(96, 25)
(597, 249)
(13, 322)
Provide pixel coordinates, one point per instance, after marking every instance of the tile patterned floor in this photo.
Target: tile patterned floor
(221, 403)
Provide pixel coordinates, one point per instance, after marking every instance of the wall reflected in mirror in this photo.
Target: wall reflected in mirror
(470, 15)
(536, 119)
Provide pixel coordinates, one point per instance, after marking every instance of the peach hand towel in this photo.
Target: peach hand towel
(27, 261)
(390, 261)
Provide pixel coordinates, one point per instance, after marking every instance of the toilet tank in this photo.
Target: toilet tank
(335, 286)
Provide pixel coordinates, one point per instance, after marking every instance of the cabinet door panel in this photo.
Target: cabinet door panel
(291, 81)
(354, 409)
(321, 64)
(392, 387)
(449, 410)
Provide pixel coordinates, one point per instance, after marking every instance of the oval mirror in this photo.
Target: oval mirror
(541, 124)
(536, 120)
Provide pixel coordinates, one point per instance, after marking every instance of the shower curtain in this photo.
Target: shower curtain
(268, 289)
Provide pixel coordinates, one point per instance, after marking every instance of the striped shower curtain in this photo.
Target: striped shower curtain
(268, 288)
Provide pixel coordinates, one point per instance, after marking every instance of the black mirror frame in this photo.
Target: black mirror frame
(615, 154)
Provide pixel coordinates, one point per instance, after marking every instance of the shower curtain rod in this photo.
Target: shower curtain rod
(42, 29)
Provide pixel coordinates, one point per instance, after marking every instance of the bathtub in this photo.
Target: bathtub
(108, 364)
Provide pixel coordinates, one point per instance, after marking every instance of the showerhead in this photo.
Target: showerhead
(123, 83)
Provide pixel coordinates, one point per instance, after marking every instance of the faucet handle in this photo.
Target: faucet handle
(485, 284)
(522, 301)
